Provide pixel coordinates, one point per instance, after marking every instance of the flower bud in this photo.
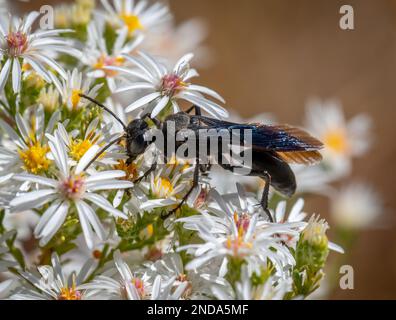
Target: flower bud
(312, 248)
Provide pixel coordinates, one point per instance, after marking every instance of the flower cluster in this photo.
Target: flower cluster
(82, 204)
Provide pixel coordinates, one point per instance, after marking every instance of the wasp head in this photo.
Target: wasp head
(136, 142)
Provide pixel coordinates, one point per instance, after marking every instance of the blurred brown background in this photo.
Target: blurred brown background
(273, 55)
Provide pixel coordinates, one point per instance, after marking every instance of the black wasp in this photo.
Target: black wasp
(274, 147)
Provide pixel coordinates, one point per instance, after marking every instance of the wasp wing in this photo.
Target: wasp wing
(290, 144)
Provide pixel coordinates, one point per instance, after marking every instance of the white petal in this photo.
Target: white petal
(142, 101)
(183, 60)
(140, 65)
(336, 247)
(131, 72)
(154, 64)
(135, 86)
(110, 184)
(46, 217)
(54, 223)
(87, 157)
(207, 91)
(39, 68)
(105, 175)
(32, 16)
(209, 106)
(122, 267)
(31, 197)
(22, 127)
(5, 71)
(160, 105)
(93, 220)
(36, 179)
(117, 199)
(104, 204)
(87, 231)
(16, 76)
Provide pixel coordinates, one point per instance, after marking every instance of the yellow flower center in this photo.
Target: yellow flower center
(70, 294)
(105, 61)
(337, 141)
(34, 158)
(26, 67)
(129, 169)
(132, 22)
(75, 97)
(147, 232)
(139, 285)
(235, 244)
(175, 162)
(79, 147)
(162, 187)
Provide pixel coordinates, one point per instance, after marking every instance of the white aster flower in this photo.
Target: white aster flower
(355, 206)
(190, 284)
(131, 285)
(136, 16)
(164, 86)
(231, 234)
(273, 289)
(72, 86)
(19, 44)
(97, 56)
(70, 189)
(53, 284)
(167, 187)
(295, 215)
(78, 143)
(26, 148)
(342, 140)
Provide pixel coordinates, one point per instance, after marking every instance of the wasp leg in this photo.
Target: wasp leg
(147, 173)
(194, 185)
(154, 120)
(264, 199)
(103, 151)
(196, 109)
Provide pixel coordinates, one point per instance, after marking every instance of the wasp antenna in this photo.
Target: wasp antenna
(104, 108)
(103, 151)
